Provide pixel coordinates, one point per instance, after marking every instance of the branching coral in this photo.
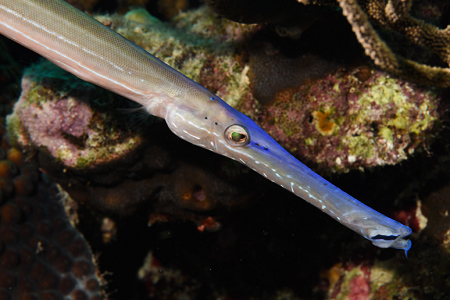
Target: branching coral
(395, 16)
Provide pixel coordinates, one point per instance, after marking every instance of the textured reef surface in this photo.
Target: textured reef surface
(42, 255)
(167, 220)
(338, 115)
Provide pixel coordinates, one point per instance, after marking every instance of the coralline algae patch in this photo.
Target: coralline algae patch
(59, 112)
(369, 280)
(342, 123)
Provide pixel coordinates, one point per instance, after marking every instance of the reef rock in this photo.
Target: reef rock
(42, 255)
(84, 144)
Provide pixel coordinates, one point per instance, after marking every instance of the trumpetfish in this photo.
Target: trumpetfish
(86, 48)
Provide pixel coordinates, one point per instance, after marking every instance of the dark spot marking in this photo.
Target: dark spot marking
(206, 118)
(256, 144)
(216, 123)
(374, 127)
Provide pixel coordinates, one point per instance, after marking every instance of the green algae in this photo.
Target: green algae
(360, 146)
(142, 16)
(397, 116)
(386, 133)
(14, 129)
(389, 95)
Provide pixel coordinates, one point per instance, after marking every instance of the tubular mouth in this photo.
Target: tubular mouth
(393, 241)
(385, 237)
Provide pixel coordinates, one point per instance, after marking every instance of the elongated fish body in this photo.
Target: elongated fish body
(81, 45)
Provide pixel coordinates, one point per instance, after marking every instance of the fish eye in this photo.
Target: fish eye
(237, 135)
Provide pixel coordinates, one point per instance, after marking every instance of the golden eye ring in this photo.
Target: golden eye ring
(237, 135)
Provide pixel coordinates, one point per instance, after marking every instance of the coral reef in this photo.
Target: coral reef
(393, 15)
(275, 249)
(68, 121)
(200, 46)
(256, 85)
(428, 268)
(82, 144)
(341, 122)
(377, 280)
(42, 256)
